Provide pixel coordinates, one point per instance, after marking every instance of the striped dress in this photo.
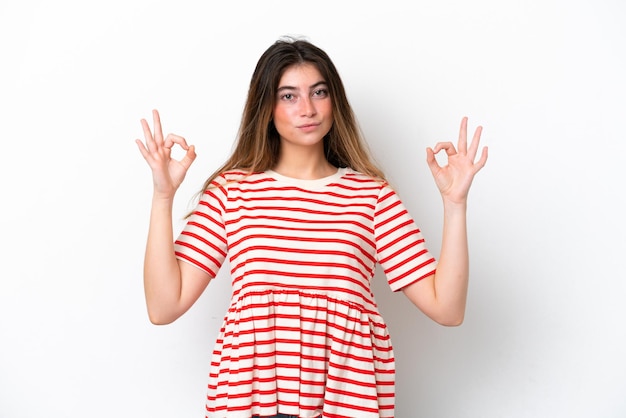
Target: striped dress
(303, 335)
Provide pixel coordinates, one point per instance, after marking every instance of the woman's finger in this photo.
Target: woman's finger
(189, 157)
(483, 159)
(473, 148)
(447, 146)
(147, 134)
(158, 131)
(172, 139)
(168, 143)
(142, 149)
(463, 136)
(431, 160)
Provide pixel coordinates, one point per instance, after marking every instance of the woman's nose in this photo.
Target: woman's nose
(307, 107)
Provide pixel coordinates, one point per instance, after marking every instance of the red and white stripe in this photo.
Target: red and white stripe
(303, 334)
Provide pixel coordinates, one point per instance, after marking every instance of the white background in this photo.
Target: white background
(544, 334)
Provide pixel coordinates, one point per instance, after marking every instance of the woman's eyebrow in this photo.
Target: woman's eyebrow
(319, 83)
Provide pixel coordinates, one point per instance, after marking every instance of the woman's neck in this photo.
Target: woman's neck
(304, 165)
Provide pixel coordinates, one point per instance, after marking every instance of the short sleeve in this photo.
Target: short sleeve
(202, 241)
(400, 246)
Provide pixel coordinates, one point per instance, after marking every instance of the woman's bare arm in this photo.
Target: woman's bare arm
(443, 295)
(170, 286)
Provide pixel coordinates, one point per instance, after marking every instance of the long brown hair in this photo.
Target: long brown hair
(258, 142)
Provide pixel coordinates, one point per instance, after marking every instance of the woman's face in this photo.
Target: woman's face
(303, 112)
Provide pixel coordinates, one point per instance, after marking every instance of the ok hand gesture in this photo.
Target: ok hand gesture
(167, 173)
(455, 178)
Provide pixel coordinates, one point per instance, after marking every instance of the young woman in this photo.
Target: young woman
(303, 216)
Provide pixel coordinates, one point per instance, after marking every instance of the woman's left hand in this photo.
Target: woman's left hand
(455, 178)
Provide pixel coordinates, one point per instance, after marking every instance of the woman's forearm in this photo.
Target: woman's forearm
(452, 275)
(162, 277)
(442, 296)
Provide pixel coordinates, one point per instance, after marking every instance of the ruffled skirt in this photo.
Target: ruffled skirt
(301, 354)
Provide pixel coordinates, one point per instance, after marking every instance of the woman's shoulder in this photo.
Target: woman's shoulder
(239, 177)
(363, 179)
(231, 175)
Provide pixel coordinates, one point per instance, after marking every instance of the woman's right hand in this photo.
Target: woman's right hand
(167, 173)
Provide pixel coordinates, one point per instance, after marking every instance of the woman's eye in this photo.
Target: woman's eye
(287, 96)
(321, 93)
